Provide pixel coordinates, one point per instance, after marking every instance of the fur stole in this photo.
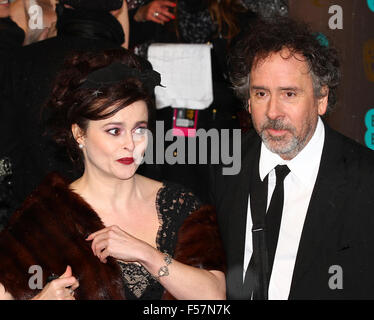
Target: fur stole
(50, 228)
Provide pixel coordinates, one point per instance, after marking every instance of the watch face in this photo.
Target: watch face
(163, 272)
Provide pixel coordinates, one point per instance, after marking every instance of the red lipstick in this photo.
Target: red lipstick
(127, 161)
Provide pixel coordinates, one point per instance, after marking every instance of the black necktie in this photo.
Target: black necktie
(274, 215)
(256, 282)
(265, 232)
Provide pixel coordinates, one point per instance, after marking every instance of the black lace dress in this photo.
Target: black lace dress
(174, 203)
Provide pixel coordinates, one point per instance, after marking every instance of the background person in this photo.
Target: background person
(11, 35)
(27, 77)
(217, 22)
(20, 12)
(47, 17)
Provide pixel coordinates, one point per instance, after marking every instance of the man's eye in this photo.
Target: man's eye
(290, 94)
(114, 131)
(260, 94)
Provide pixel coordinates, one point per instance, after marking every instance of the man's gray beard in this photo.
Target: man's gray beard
(292, 148)
(275, 145)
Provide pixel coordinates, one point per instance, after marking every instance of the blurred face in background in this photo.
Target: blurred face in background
(4, 8)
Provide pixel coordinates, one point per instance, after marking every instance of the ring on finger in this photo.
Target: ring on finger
(156, 14)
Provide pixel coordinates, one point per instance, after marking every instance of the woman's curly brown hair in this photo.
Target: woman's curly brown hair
(273, 35)
(70, 104)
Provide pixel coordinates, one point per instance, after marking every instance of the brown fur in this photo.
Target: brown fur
(50, 228)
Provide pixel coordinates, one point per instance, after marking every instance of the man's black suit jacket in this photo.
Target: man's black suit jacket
(338, 230)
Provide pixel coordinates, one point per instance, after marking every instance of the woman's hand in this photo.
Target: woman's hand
(156, 11)
(182, 281)
(114, 242)
(58, 289)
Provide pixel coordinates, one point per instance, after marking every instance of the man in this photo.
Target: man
(297, 222)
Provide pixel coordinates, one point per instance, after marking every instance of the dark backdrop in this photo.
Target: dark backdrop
(356, 94)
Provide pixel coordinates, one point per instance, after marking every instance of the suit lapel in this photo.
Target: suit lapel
(237, 221)
(324, 207)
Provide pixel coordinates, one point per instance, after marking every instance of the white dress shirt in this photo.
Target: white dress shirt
(298, 188)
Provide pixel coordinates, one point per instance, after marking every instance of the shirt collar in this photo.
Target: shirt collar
(304, 165)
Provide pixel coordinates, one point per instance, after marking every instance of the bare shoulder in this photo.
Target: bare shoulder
(4, 295)
(148, 186)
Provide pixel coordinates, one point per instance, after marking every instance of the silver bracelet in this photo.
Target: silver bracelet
(164, 270)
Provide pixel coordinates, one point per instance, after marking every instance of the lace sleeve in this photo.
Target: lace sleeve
(174, 204)
(188, 202)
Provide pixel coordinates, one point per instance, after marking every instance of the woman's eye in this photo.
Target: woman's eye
(140, 130)
(114, 131)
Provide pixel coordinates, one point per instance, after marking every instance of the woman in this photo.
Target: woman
(124, 235)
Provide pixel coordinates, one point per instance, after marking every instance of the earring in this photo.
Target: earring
(81, 146)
